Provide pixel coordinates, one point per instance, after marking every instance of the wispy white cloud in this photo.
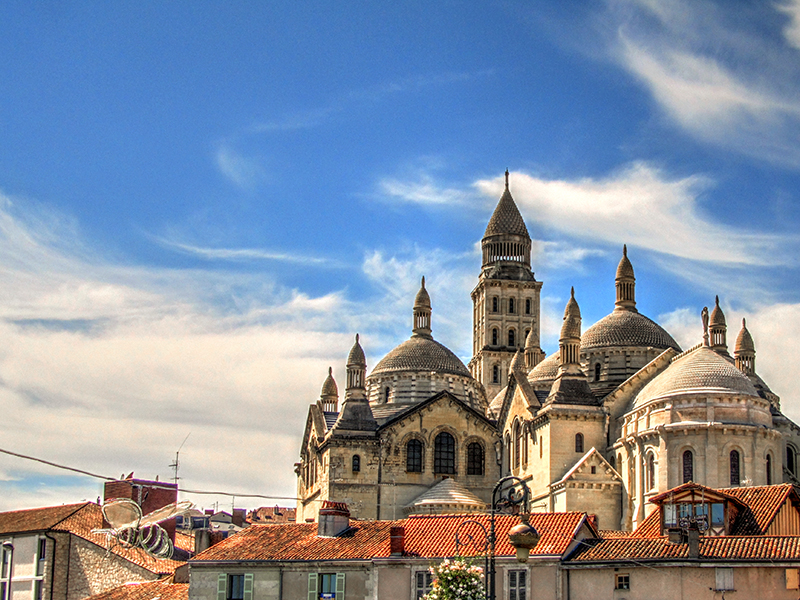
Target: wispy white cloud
(718, 77)
(424, 190)
(246, 172)
(639, 205)
(791, 30)
(238, 254)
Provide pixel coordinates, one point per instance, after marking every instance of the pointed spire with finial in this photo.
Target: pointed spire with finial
(356, 414)
(329, 396)
(625, 283)
(533, 353)
(506, 240)
(569, 343)
(422, 312)
(718, 329)
(356, 367)
(744, 353)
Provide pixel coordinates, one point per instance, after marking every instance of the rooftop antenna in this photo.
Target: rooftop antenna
(174, 466)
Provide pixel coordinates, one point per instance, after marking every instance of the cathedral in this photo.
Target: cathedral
(618, 415)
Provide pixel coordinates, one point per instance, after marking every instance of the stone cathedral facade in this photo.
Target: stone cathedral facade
(618, 415)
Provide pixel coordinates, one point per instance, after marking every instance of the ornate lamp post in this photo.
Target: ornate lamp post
(522, 536)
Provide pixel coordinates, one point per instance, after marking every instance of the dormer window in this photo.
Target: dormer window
(707, 515)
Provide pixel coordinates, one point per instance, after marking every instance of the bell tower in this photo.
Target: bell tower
(506, 300)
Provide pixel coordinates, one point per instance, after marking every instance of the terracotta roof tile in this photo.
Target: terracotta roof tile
(711, 548)
(36, 519)
(150, 590)
(430, 536)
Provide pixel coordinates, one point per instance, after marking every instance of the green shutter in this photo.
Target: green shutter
(312, 586)
(247, 592)
(222, 584)
(340, 586)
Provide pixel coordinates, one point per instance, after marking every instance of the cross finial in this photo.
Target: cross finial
(506, 178)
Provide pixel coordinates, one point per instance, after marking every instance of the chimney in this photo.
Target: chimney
(237, 518)
(397, 540)
(693, 539)
(149, 495)
(334, 518)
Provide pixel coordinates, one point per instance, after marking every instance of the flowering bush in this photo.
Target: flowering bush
(456, 580)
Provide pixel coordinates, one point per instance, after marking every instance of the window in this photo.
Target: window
(511, 306)
(735, 474)
(512, 338)
(517, 444)
(386, 392)
(688, 466)
(527, 306)
(237, 586)
(325, 586)
(622, 581)
(495, 374)
(356, 463)
(651, 472)
(594, 470)
(578, 442)
(37, 589)
(517, 584)
(597, 368)
(414, 456)
(494, 337)
(444, 454)
(494, 304)
(474, 459)
(423, 584)
(41, 554)
(6, 562)
(724, 579)
(769, 469)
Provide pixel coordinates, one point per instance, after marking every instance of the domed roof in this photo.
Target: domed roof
(421, 353)
(423, 299)
(446, 496)
(506, 218)
(717, 316)
(356, 356)
(329, 386)
(626, 328)
(744, 341)
(625, 268)
(701, 370)
(547, 370)
(496, 404)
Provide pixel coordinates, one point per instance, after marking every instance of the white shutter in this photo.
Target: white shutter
(247, 590)
(222, 584)
(340, 586)
(312, 586)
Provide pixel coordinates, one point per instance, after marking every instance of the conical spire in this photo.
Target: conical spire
(422, 312)
(518, 363)
(356, 414)
(744, 352)
(625, 283)
(506, 240)
(506, 218)
(329, 396)
(569, 343)
(718, 329)
(356, 367)
(533, 353)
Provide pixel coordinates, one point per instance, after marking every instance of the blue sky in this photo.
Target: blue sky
(200, 203)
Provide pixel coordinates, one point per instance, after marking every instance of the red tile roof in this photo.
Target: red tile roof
(429, 536)
(150, 590)
(769, 548)
(80, 520)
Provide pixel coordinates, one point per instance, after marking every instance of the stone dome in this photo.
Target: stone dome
(329, 387)
(626, 328)
(421, 354)
(744, 341)
(699, 371)
(625, 268)
(356, 356)
(717, 316)
(547, 370)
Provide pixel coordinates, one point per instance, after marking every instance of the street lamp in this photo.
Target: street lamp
(523, 536)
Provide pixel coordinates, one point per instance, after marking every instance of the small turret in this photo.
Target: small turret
(718, 329)
(356, 416)
(533, 353)
(744, 353)
(329, 396)
(422, 312)
(356, 368)
(625, 283)
(569, 343)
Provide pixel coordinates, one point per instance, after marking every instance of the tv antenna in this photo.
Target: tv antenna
(174, 466)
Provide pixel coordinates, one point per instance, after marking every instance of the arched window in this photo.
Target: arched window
(494, 337)
(735, 473)
(414, 456)
(791, 459)
(356, 463)
(524, 446)
(769, 469)
(511, 306)
(512, 341)
(688, 466)
(494, 304)
(651, 472)
(444, 454)
(495, 374)
(474, 459)
(517, 444)
(597, 372)
(527, 306)
(578, 442)
(386, 391)
(509, 453)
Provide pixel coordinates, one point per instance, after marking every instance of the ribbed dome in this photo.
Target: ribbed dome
(506, 218)
(717, 316)
(547, 370)
(744, 341)
(329, 386)
(446, 496)
(626, 328)
(421, 354)
(356, 356)
(625, 268)
(700, 371)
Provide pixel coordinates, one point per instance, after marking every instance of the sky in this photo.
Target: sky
(201, 203)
